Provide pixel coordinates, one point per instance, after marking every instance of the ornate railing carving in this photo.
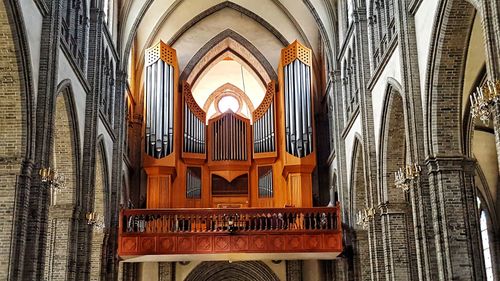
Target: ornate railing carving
(175, 231)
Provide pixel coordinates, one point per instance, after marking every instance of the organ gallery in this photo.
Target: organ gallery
(259, 155)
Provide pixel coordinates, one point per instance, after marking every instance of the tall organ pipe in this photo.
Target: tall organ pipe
(159, 106)
(298, 109)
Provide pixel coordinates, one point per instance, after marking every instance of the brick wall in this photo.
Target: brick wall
(13, 135)
(97, 235)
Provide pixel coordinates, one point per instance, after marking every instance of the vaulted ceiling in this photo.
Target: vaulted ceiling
(188, 25)
(251, 32)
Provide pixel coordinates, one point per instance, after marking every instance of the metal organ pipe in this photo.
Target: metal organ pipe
(298, 109)
(159, 99)
(309, 107)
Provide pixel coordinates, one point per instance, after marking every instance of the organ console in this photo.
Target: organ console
(262, 160)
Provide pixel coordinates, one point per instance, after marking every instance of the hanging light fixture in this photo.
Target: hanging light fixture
(483, 100)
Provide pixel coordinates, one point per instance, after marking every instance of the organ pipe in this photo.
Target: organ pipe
(159, 101)
(265, 182)
(263, 126)
(298, 109)
(194, 124)
(229, 138)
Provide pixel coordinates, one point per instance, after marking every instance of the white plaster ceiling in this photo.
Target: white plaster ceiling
(147, 21)
(228, 71)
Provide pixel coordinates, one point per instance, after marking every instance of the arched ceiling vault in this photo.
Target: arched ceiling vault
(268, 25)
(229, 44)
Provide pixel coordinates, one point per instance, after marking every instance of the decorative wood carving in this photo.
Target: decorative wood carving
(161, 51)
(266, 102)
(296, 51)
(195, 231)
(191, 102)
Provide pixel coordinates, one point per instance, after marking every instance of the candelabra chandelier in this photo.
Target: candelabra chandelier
(483, 101)
(52, 179)
(403, 177)
(365, 216)
(95, 220)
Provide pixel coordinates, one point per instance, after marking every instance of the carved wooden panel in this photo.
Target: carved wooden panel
(161, 51)
(191, 102)
(296, 51)
(166, 244)
(204, 243)
(147, 244)
(266, 102)
(222, 243)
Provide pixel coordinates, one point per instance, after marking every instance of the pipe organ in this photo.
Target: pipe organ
(159, 99)
(229, 137)
(262, 160)
(194, 123)
(298, 119)
(263, 126)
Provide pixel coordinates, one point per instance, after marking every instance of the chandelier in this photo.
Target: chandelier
(483, 99)
(365, 216)
(403, 177)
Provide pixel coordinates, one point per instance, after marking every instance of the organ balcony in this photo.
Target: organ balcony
(216, 179)
(239, 233)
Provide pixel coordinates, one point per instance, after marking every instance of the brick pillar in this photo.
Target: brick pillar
(294, 270)
(129, 271)
(166, 271)
(58, 243)
(455, 218)
(376, 248)
(396, 252)
(96, 255)
(362, 268)
(34, 247)
(340, 269)
(94, 77)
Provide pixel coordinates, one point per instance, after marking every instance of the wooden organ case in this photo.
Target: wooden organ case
(228, 160)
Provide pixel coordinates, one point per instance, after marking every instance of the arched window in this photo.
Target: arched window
(483, 222)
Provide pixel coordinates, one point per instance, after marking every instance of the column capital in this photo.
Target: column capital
(440, 163)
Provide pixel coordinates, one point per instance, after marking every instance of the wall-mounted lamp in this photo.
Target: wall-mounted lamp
(56, 182)
(95, 220)
(403, 177)
(52, 178)
(483, 100)
(365, 216)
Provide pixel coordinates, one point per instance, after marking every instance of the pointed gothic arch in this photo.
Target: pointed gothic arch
(236, 45)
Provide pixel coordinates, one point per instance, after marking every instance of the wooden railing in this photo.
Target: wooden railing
(173, 231)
